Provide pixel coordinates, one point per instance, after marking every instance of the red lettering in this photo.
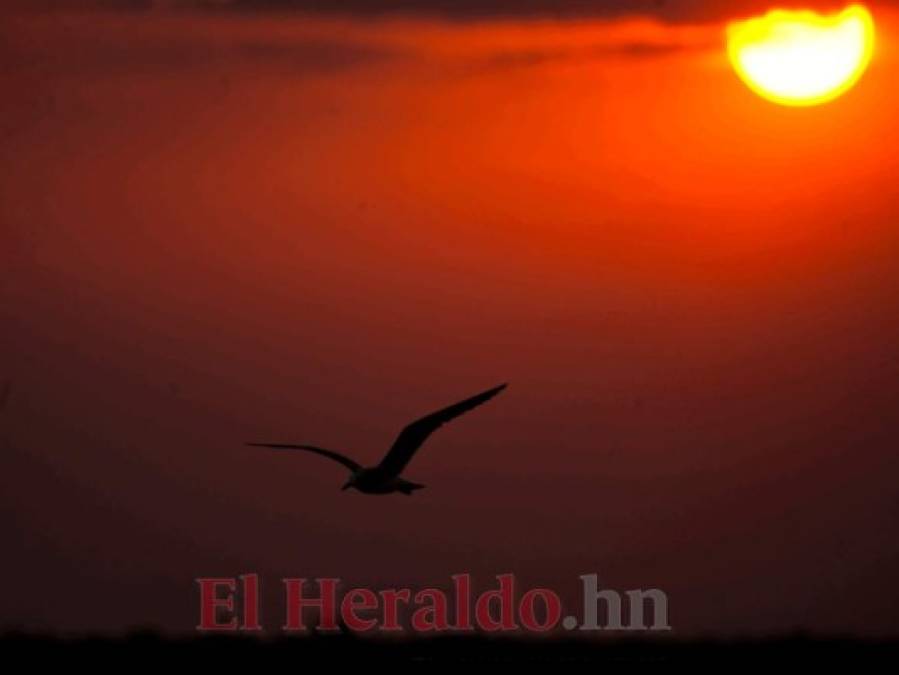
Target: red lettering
(504, 595)
(391, 599)
(210, 603)
(358, 599)
(326, 603)
(551, 603)
(462, 586)
(434, 616)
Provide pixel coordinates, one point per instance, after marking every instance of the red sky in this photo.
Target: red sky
(220, 228)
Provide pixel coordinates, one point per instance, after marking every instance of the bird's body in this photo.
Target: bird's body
(384, 478)
(375, 481)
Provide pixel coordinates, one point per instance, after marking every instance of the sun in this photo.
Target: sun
(802, 58)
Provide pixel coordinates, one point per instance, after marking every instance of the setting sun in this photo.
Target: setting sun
(801, 58)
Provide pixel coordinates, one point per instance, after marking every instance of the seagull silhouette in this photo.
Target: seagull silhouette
(384, 478)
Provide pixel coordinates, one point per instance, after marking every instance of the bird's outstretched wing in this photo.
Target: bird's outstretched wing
(411, 438)
(336, 456)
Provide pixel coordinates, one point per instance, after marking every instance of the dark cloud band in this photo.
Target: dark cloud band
(669, 10)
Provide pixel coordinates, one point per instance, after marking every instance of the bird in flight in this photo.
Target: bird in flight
(385, 478)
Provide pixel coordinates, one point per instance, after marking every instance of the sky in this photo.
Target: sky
(229, 226)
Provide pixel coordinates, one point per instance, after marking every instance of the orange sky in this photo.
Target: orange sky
(222, 228)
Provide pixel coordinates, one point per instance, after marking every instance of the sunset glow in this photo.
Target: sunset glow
(279, 223)
(801, 58)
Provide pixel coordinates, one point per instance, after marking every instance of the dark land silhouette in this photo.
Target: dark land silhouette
(346, 648)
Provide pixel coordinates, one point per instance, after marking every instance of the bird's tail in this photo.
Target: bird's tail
(409, 488)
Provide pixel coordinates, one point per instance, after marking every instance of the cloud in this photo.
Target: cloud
(668, 10)
(674, 10)
(627, 50)
(128, 45)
